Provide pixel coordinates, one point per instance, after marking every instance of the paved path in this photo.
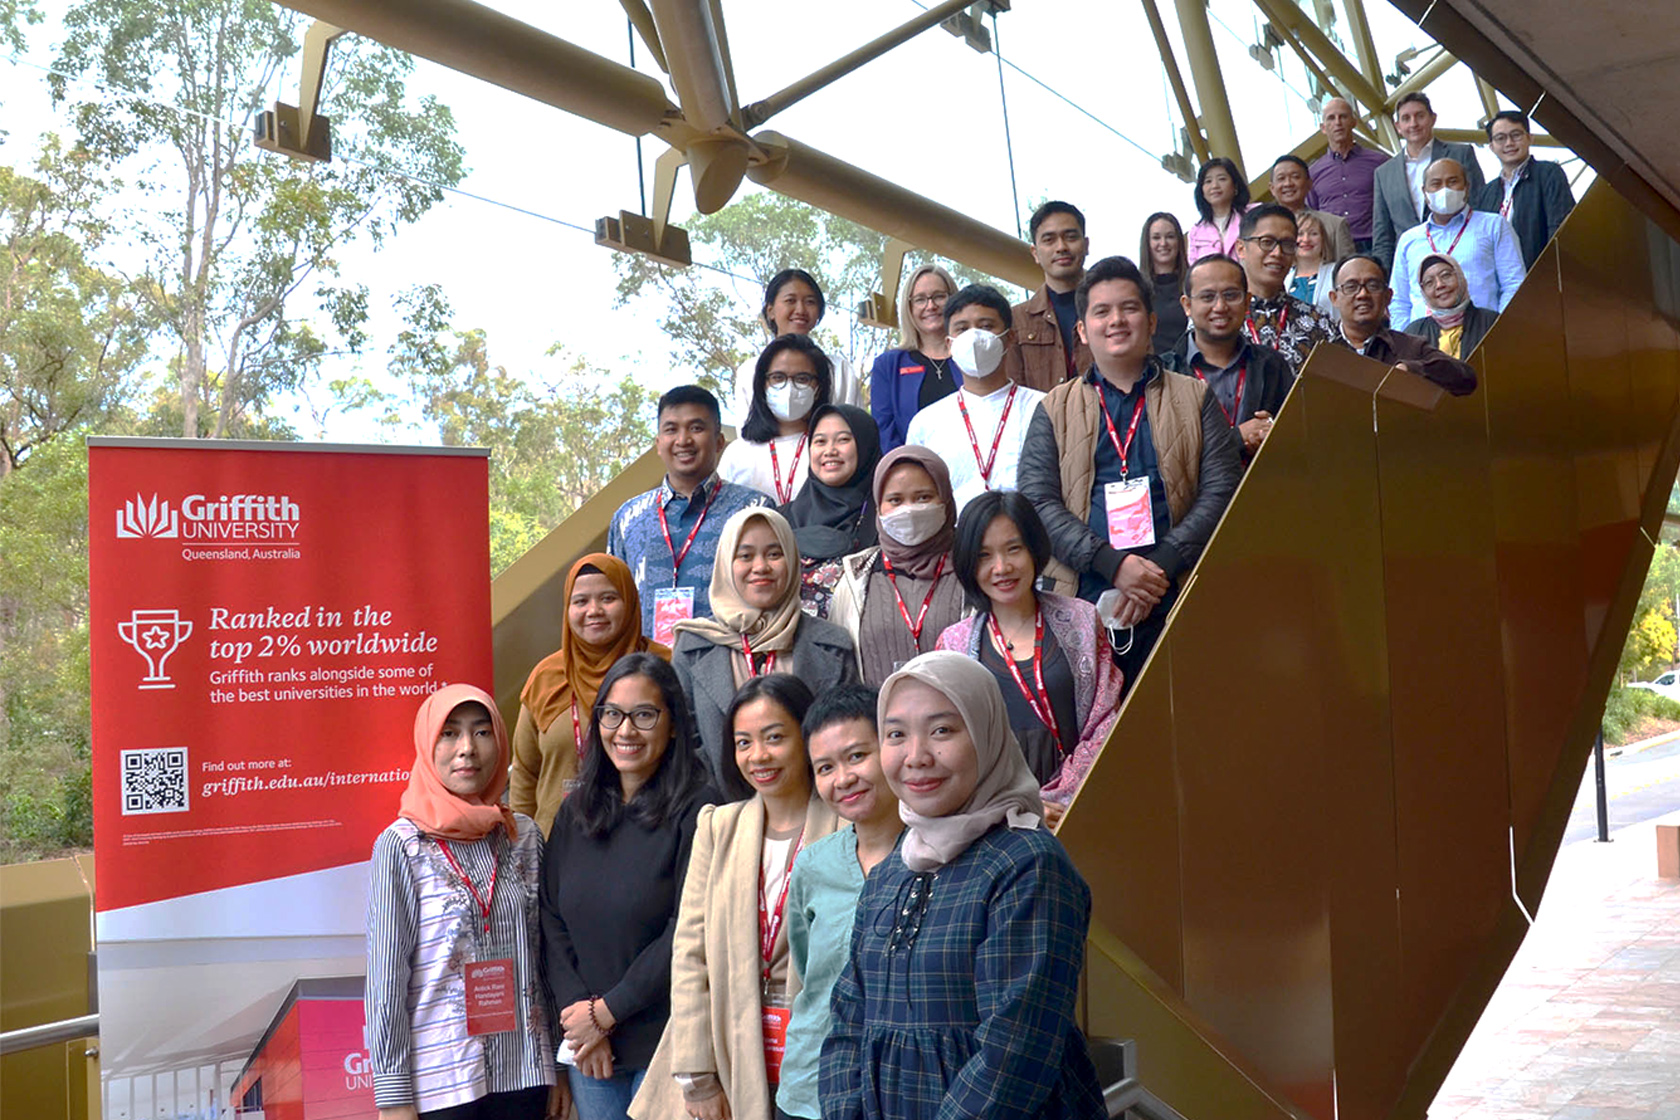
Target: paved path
(1586, 1025)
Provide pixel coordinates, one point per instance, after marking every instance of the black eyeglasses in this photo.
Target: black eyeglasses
(1267, 244)
(803, 380)
(642, 719)
(1352, 287)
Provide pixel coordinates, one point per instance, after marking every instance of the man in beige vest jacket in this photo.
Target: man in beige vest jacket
(1129, 466)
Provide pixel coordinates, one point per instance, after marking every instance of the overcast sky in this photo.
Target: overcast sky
(927, 116)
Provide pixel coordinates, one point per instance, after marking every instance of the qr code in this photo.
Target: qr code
(154, 781)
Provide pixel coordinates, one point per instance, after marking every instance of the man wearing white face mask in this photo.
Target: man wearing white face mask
(1483, 244)
(792, 377)
(978, 430)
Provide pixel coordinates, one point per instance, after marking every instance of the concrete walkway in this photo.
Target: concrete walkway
(1586, 1025)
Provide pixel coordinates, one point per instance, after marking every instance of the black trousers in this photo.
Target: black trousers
(519, 1104)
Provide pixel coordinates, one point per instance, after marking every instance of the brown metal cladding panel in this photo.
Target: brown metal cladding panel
(1537, 546)
(1603, 271)
(1258, 848)
(1447, 694)
(1122, 831)
(1352, 698)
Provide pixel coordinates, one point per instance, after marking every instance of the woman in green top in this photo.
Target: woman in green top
(845, 757)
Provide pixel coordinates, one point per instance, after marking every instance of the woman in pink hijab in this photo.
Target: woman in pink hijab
(456, 1020)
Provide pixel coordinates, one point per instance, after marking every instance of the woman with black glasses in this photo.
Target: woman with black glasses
(793, 376)
(628, 829)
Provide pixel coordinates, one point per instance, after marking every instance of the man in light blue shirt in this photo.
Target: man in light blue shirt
(845, 754)
(1483, 244)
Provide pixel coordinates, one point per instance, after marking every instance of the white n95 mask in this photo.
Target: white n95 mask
(790, 401)
(977, 352)
(913, 524)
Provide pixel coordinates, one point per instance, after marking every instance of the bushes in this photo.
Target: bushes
(1627, 708)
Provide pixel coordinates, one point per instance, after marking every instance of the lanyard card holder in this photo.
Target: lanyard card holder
(1131, 519)
(493, 984)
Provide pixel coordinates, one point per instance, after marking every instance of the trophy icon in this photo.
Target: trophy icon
(154, 635)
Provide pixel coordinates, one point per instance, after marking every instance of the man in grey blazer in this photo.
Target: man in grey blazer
(1397, 187)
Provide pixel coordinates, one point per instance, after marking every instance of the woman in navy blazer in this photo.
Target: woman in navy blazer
(905, 380)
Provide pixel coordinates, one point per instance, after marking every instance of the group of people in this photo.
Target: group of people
(773, 834)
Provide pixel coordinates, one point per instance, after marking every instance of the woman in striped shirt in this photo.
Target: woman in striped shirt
(457, 1023)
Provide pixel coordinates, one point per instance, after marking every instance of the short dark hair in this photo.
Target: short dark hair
(1417, 96)
(690, 394)
(1183, 261)
(1238, 200)
(784, 277)
(1291, 157)
(1336, 274)
(1515, 116)
(977, 517)
(790, 693)
(761, 425)
(1053, 207)
(985, 296)
(1214, 258)
(840, 704)
(598, 802)
(1260, 213)
(1111, 268)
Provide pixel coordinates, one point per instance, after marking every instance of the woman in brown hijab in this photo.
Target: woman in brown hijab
(603, 623)
(896, 599)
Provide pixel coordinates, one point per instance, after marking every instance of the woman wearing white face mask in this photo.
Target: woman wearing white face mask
(792, 377)
(895, 599)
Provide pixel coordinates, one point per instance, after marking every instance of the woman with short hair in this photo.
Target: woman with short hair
(793, 304)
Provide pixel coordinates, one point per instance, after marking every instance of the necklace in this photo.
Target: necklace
(939, 367)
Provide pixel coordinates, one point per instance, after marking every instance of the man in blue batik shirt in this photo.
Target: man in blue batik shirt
(669, 535)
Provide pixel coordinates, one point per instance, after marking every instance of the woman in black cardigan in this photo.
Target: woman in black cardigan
(612, 878)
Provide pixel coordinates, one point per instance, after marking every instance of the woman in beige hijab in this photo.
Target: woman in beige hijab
(756, 627)
(969, 942)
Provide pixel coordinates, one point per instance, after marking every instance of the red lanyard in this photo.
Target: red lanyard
(770, 923)
(1429, 233)
(752, 668)
(1505, 207)
(904, 611)
(1283, 321)
(1114, 436)
(1235, 410)
(483, 903)
(785, 496)
(664, 527)
(577, 730)
(986, 465)
(1039, 702)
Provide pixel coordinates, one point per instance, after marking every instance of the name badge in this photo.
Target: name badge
(1131, 519)
(775, 1041)
(906, 371)
(492, 996)
(671, 605)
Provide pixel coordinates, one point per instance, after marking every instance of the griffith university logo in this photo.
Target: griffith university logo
(140, 518)
(220, 519)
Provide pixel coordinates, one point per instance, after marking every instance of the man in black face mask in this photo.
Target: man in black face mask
(978, 430)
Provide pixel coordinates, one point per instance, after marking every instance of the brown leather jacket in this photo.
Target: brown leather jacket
(1040, 361)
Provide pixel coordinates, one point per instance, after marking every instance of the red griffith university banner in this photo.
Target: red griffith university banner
(265, 619)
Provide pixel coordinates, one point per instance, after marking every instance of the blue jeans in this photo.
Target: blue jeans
(604, 1100)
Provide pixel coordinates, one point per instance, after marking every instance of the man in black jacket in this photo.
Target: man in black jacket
(1361, 296)
(1130, 466)
(1248, 380)
(1532, 194)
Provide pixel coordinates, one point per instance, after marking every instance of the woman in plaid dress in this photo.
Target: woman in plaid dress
(959, 996)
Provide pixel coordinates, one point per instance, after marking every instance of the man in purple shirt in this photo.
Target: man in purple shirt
(1342, 176)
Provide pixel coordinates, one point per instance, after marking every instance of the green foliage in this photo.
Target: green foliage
(1628, 708)
(15, 15)
(1652, 639)
(252, 230)
(44, 737)
(554, 440)
(71, 336)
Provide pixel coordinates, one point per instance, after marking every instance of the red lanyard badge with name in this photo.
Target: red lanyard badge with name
(784, 496)
(752, 666)
(1429, 233)
(1038, 701)
(492, 984)
(1235, 410)
(664, 527)
(775, 1019)
(904, 611)
(985, 465)
(1130, 508)
(1121, 449)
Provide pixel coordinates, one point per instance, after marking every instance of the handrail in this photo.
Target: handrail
(1130, 1095)
(48, 1034)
